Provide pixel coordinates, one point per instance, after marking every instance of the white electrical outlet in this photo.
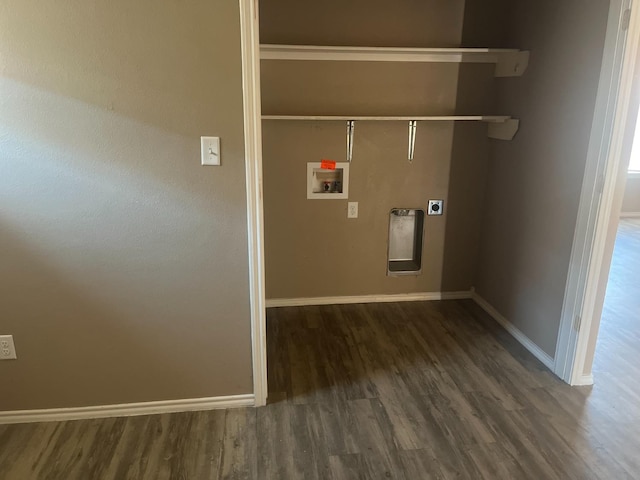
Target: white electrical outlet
(352, 210)
(7, 348)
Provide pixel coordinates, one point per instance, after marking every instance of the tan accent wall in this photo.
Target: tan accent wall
(124, 273)
(358, 88)
(372, 23)
(312, 249)
(631, 199)
(487, 23)
(534, 181)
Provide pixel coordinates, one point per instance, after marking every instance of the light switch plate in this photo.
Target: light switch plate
(210, 150)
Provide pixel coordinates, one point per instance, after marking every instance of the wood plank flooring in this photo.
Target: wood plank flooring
(414, 390)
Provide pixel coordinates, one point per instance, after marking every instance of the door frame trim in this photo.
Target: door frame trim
(250, 46)
(601, 181)
(600, 184)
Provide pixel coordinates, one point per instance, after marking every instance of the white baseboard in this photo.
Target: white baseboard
(584, 380)
(629, 214)
(402, 297)
(515, 332)
(126, 409)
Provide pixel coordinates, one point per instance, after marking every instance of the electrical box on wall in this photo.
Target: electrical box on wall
(327, 183)
(435, 207)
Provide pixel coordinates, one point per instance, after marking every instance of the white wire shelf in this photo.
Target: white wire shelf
(509, 62)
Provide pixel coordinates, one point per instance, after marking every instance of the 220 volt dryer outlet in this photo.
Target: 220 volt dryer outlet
(436, 207)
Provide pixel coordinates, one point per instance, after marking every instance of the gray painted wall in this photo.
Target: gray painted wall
(124, 274)
(534, 181)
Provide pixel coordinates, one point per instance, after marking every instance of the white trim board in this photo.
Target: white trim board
(629, 214)
(515, 332)
(584, 380)
(402, 297)
(126, 409)
(250, 48)
(599, 190)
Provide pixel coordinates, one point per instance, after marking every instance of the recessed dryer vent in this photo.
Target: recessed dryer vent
(406, 231)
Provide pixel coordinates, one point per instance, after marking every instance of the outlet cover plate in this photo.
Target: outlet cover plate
(352, 210)
(7, 348)
(436, 207)
(210, 150)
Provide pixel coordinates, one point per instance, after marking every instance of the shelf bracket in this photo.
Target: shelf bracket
(512, 64)
(503, 130)
(413, 125)
(351, 125)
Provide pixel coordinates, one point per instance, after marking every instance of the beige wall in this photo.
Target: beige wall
(403, 23)
(124, 272)
(486, 23)
(312, 249)
(535, 180)
(631, 199)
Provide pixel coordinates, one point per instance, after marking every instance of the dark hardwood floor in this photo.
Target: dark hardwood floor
(407, 390)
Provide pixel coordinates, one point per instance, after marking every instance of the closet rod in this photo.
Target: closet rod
(500, 127)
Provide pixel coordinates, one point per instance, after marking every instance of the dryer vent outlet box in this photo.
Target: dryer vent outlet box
(406, 232)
